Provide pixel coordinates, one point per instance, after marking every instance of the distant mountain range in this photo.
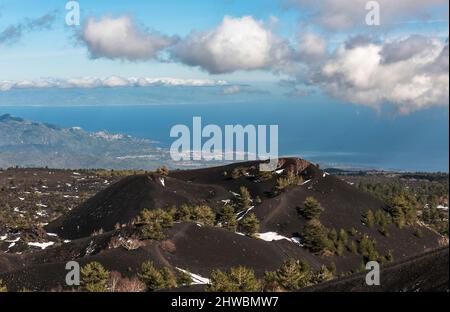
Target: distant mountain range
(32, 144)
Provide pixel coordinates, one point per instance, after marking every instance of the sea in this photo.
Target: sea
(331, 134)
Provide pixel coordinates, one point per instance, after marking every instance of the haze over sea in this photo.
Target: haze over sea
(321, 130)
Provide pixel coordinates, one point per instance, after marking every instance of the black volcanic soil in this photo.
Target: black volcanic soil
(201, 249)
(426, 273)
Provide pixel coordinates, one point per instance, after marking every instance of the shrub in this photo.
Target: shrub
(324, 274)
(369, 219)
(418, 233)
(250, 224)
(311, 208)
(353, 232)
(238, 279)
(290, 179)
(3, 287)
(152, 231)
(353, 247)
(118, 283)
(203, 214)
(380, 218)
(367, 248)
(164, 218)
(237, 173)
(94, 277)
(168, 246)
(164, 171)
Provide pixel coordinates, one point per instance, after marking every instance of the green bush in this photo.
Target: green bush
(311, 208)
(238, 279)
(94, 277)
(155, 279)
(250, 224)
(228, 218)
(3, 287)
(244, 199)
(294, 274)
(315, 237)
(369, 219)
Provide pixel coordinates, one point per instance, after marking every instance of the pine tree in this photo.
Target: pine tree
(367, 248)
(324, 274)
(184, 279)
(244, 199)
(311, 208)
(380, 218)
(153, 231)
(315, 238)
(203, 214)
(94, 277)
(353, 247)
(294, 274)
(370, 219)
(184, 213)
(228, 218)
(343, 236)
(151, 277)
(250, 224)
(238, 279)
(170, 281)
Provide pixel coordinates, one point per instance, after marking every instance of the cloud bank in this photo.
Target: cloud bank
(109, 82)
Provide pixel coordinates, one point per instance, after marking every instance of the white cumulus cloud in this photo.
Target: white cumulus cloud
(120, 38)
(413, 78)
(236, 44)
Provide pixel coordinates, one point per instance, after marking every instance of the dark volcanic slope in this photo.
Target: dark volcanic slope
(426, 272)
(201, 249)
(197, 249)
(123, 201)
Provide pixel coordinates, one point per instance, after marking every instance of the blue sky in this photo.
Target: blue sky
(299, 55)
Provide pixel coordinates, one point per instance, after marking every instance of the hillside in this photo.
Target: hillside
(32, 144)
(97, 229)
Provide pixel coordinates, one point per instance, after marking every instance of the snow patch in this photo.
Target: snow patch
(241, 215)
(196, 279)
(307, 181)
(163, 182)
(273, 236)
(41, 245)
